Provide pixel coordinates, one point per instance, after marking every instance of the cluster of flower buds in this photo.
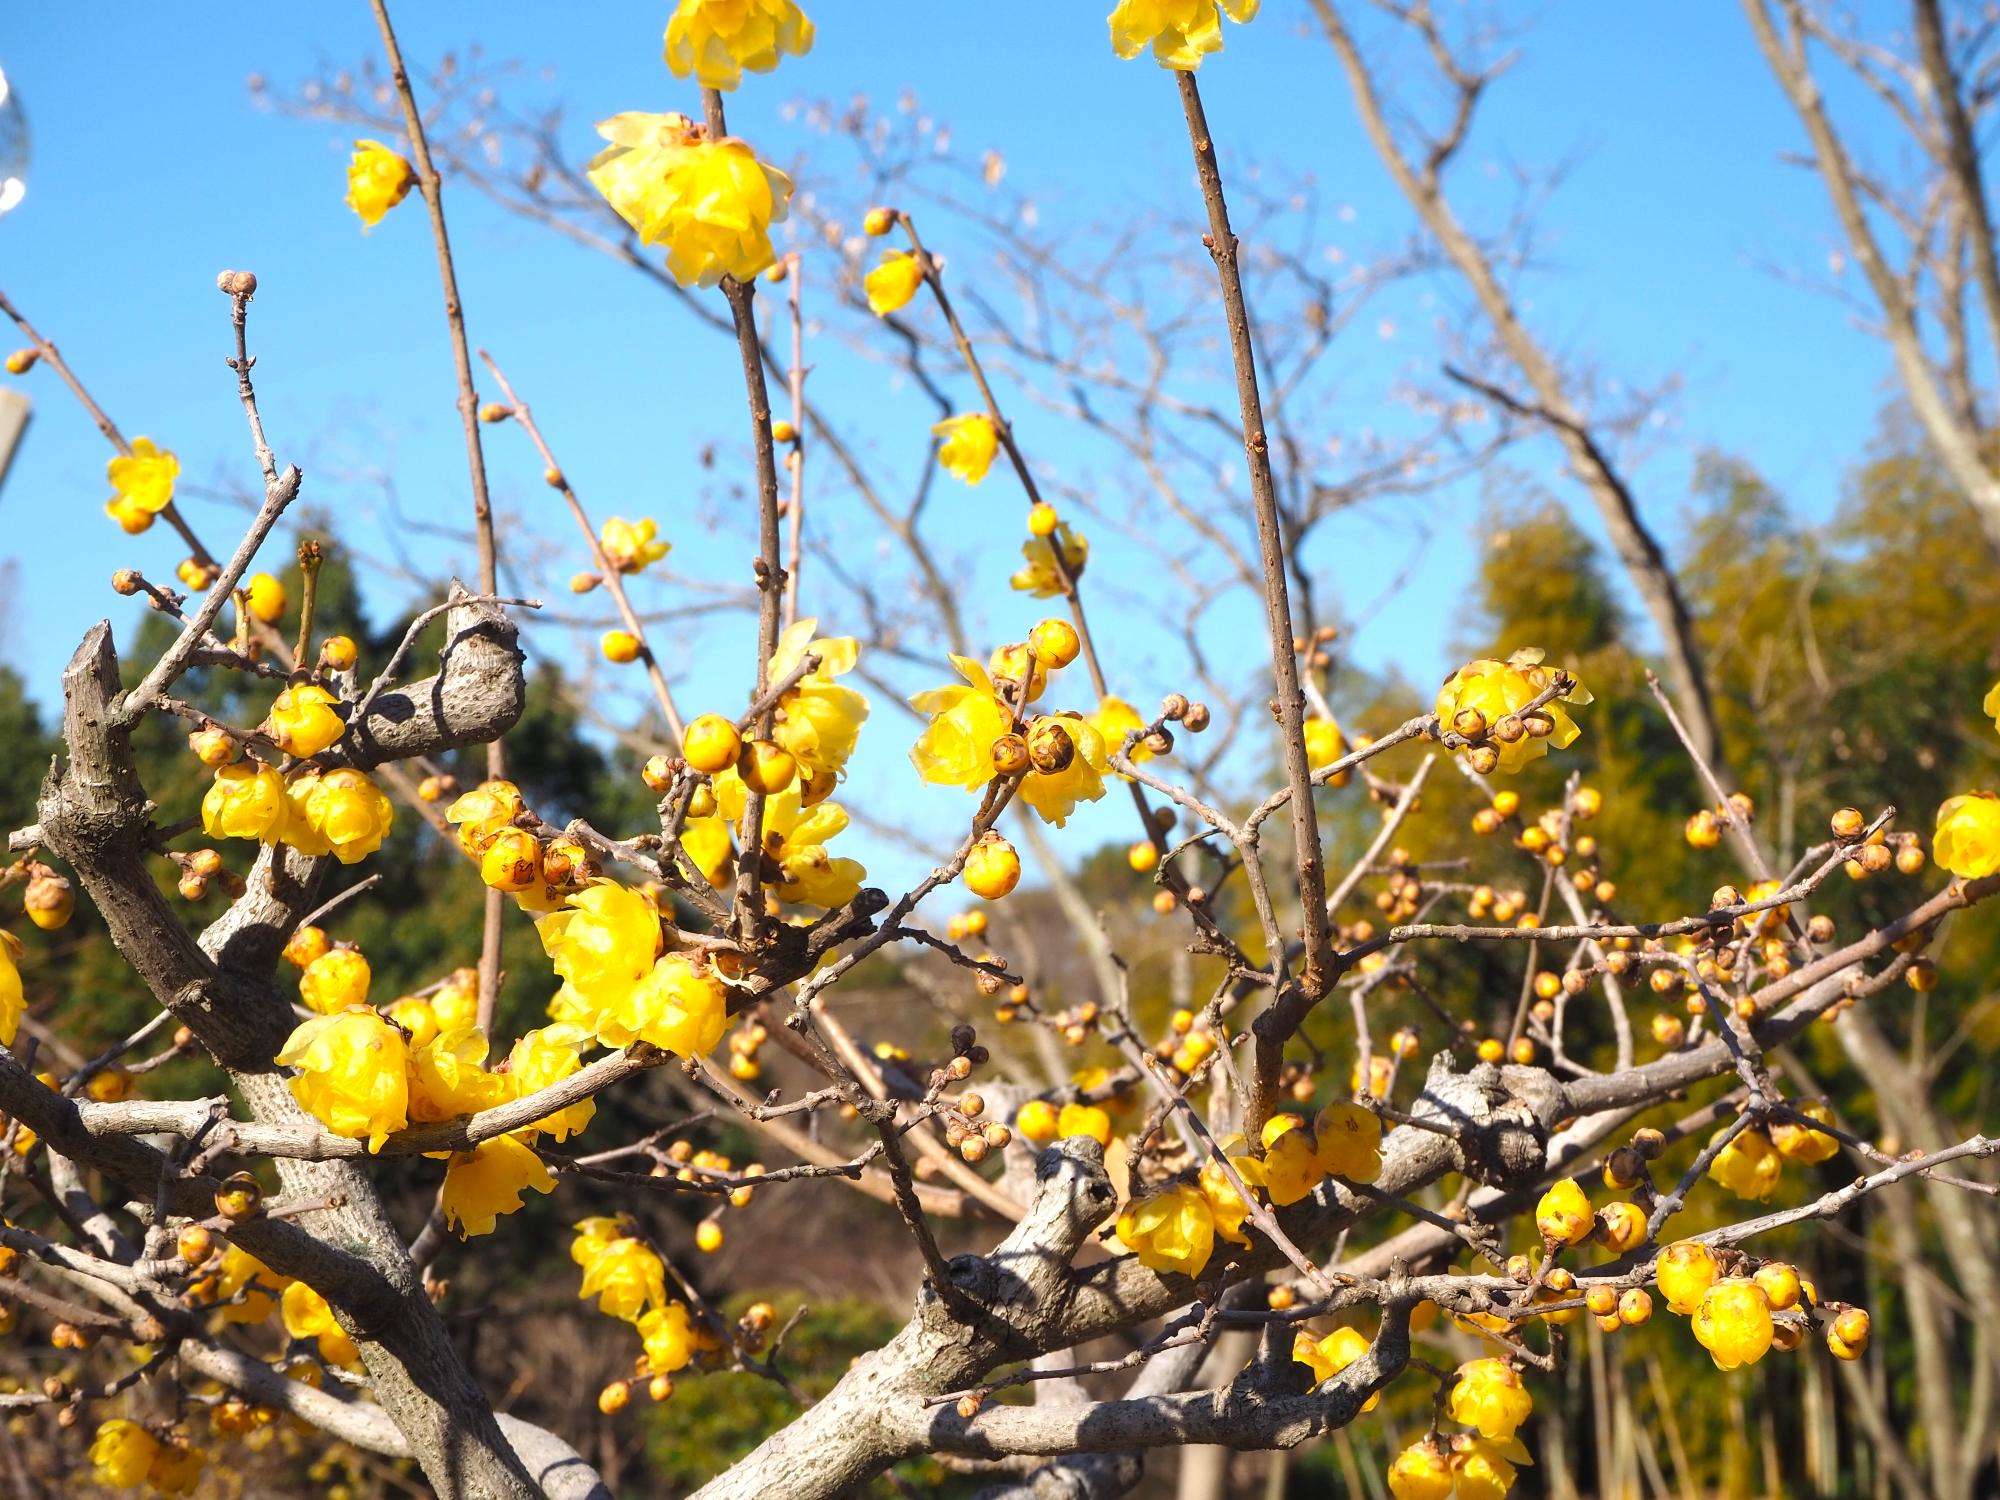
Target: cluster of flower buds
(496, 830)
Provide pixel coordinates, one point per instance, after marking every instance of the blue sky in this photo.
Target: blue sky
(154, 168)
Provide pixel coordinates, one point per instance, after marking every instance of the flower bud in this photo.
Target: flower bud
(495, 411)
(1195, 720)
(1010, 755)
(1050, 747)
(766, 766)
(22, 360)
(878, 222)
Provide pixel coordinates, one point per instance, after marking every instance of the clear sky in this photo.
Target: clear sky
(154, 168)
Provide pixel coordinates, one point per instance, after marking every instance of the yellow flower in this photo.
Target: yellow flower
(130, 518)
(1991, 707)
(247, 1288)
(603, 941)
(711, 203)
(675, 1006)
(307, 1315)
(1227, 1206)
(1039, 575)
(1055, 794)
(305, 721)
(122, 1453)
(487, 1181)
(818, 720)
(1749, 1166)
(415, 1015)
(1733, 1323)
(956, 747)
(970, 441)
(629, 546)
(337, 980)
(1114, 721)
(1968, 835)
(624, 1274)
(1327, 1357)
(1497, 691)
(1564, 1216)
(246, 801)
(1291, 1164)
(447, 1078)
(892, 284)
(1483, 1468)
(377, 180)
(267, 597)
(546, 1056)
(1801, 1143)
(352, 1074)
(668, 1339)
(144, 478)
(795, 840)
(716, 40)
(176, 1468)
(1624, 1226)
(1170, 1229)
(341, 812)
(481, 814)
(709, 844)
(1420, 1472)
(1685, 1272)
(1084, 1119)
(1325, 744)
(1180, 32)
(1350, 1141)
(1489, 1395)
(13, 999)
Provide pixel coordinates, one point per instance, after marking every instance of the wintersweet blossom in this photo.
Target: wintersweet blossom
(1180, 32)
(818, 720)
(487, 1181)
(668, 1337)
(675, 1006)
(1498, 691)
(715, 40)
(1349, 1141)
(339, 812)
(1685, 1272)
(631, 546)
(794, 844)
(448, 1077)
(1327, 1357)
(546, 1056)
(245, 801)
(970, 441)
(1990, 706)
(1483, 1468)
(1734, 1323)
(710, 203)
(1564, 1216)
(1749, 1166)
(624, 1273)
(1115, 721)
(603, 941)
(1967, 842)
(1801, 1143)
(13, 1000)
(122, 1453)
(956, 747)
(892, 284)
(1169, 1229)
(308, 1315)
(377, 180)
(1420, 1472)
(306, 719)
(1490, 1396)
(352, 1074)
(335, 981)
(144, 478)
(1039, 575)
(1055, 794)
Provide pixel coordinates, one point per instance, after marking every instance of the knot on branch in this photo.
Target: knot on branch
(476, 696)
(1025, 1281)
(1499, 1118)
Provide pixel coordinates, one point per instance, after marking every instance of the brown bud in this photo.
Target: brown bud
(126, 581)
(1484, 759)
(1196, 718)
(1050, 746)
(1174, 706)
(1010, 755)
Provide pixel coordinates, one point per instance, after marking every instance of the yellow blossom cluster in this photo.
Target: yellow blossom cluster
(377, 180)
(126, 1456)
(714, 41)
(629, 1280)
(1179, 32)
(711, 203)
(339, 812)
(1487, 702)
(1174, 1228)
(1488, 1396)
(632, 546)
(606, 945)
(144, 481)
